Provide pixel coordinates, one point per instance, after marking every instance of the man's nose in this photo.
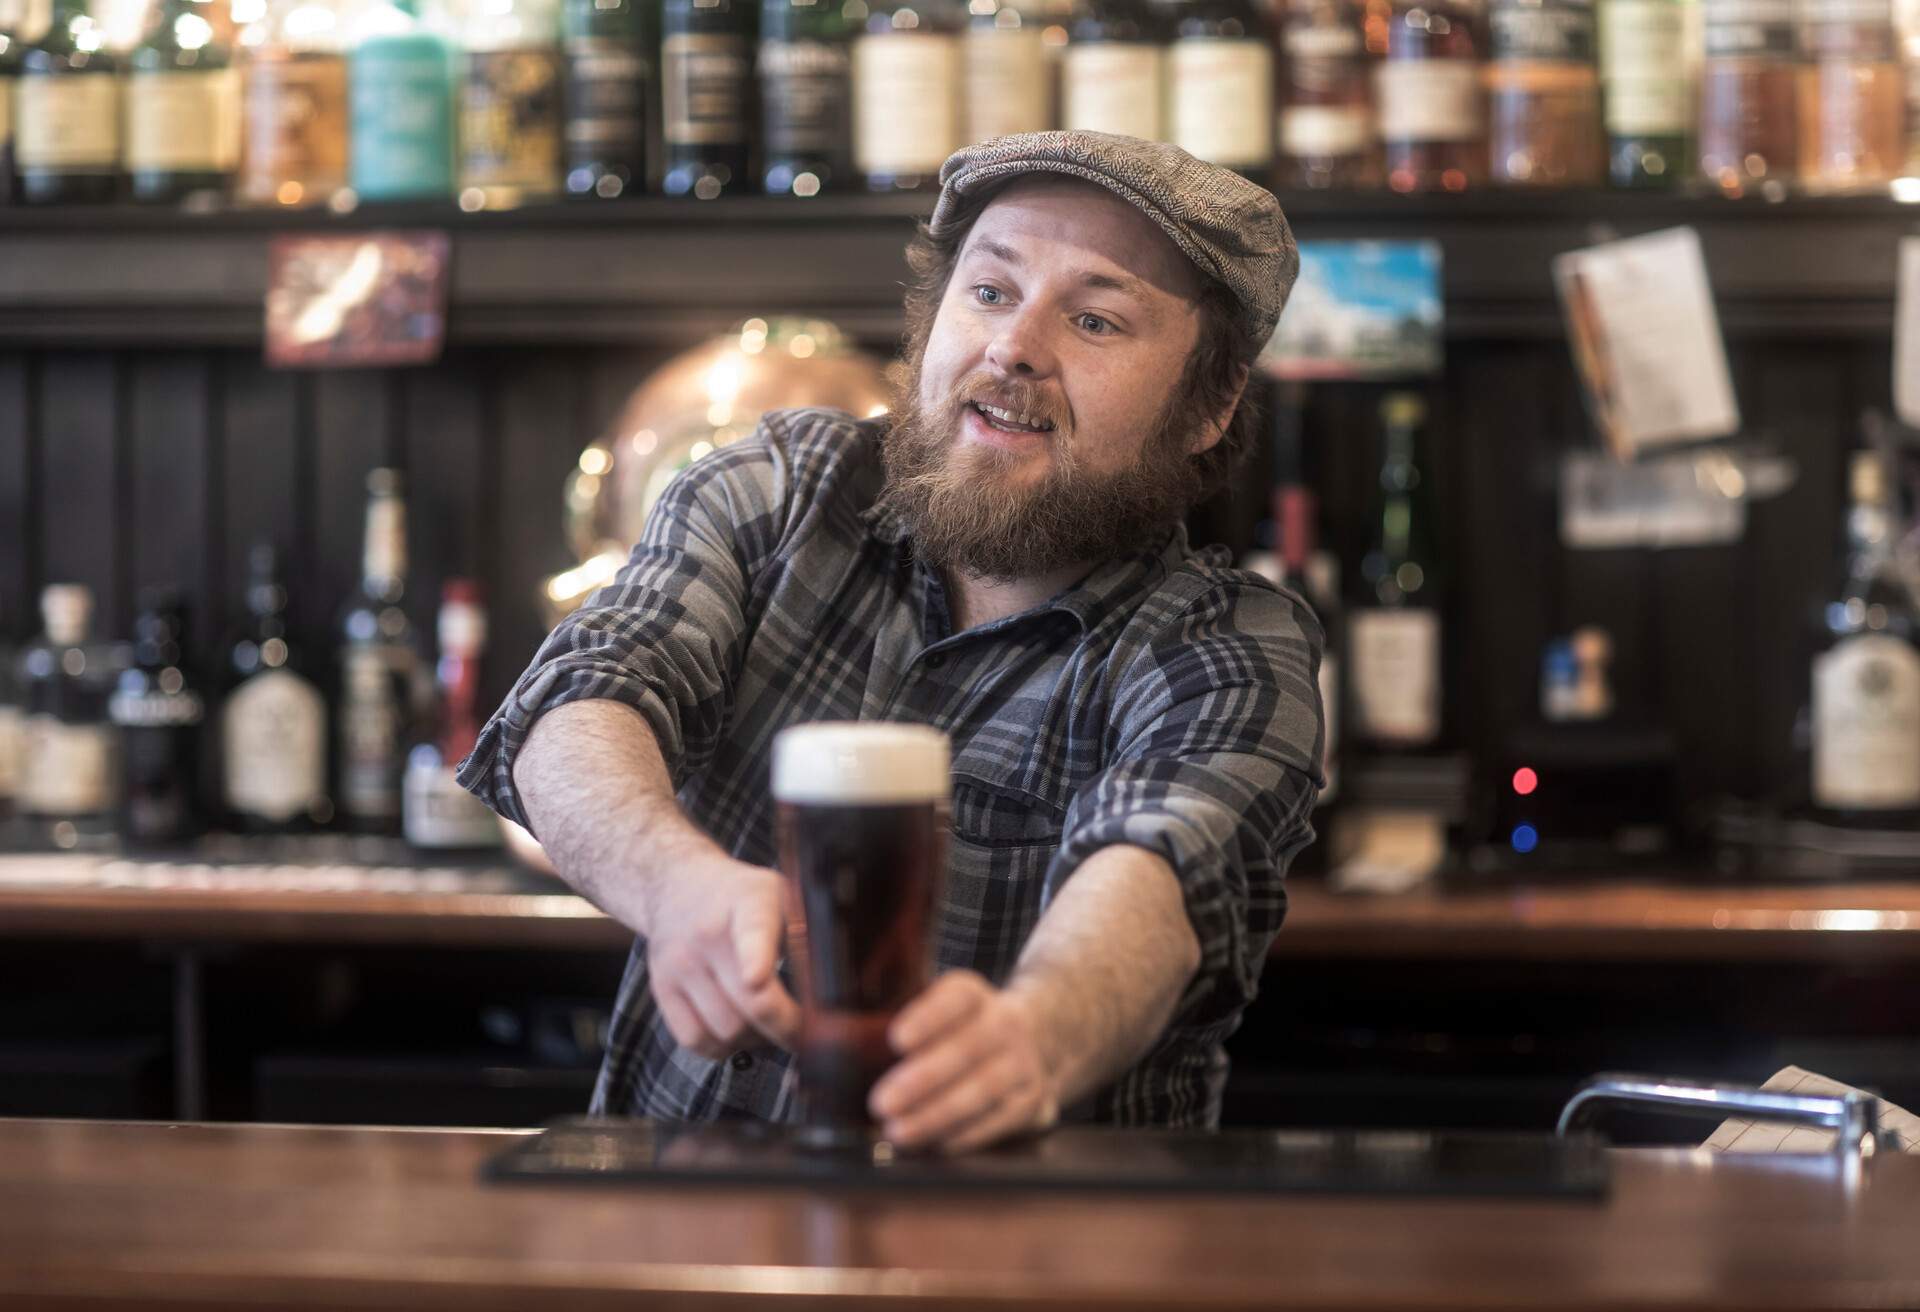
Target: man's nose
(1021, 348)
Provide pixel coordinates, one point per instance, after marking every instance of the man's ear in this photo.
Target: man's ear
(1217, 423)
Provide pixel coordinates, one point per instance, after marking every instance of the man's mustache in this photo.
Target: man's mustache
(1037, 403)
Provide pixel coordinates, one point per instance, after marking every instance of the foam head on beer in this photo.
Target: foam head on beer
(867, 763)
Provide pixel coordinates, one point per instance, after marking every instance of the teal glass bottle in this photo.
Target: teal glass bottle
(400, 95)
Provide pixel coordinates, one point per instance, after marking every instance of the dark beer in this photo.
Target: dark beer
(861, 813)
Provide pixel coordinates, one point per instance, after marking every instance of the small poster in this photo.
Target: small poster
(1646, 341)
(1906, 336)
(1363, 310)
(356, 299)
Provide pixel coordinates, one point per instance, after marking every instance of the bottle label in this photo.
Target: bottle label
(181, 122)
(402, 90)
(906, 94)
(1866, 725)
(703, 77)
(156, 710)
(1221, 100)
(373, 725)
(1114, 86)
(1006, 82)
(295, 119)
(807, 90)
(69, 768)
(510, 122)
(70, 122)
(1555, 31)
(12, 743)
(1320, 131)
(1430, 100)
(1739, 29)
(440, 813)
(274, 747)
(1643, 64)
(1309, 42)
(608, 81)
(1395, 656)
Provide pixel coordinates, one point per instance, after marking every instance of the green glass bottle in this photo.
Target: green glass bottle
(400, 106)
(608, 48)
(183, 126)
(67, 110)
(706, 81)
(806, 97)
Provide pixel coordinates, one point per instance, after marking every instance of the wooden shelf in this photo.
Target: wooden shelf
(659, 272)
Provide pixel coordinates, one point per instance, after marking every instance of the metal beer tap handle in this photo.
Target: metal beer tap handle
(1855, 1115)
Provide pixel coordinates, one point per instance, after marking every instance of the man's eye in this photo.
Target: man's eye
(1094, 324)
(987, 295)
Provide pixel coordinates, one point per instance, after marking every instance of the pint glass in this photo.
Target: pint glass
(861, 812)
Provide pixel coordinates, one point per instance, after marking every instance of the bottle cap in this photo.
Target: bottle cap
(463, 628)
(66, 609)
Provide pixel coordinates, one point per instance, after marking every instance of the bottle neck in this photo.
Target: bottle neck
(459, 679)
(383, 564)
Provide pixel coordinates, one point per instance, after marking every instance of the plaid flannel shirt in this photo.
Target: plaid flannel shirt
(1166, 701)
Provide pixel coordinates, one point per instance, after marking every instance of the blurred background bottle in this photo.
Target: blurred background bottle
(906, 94)
(1220, 84)
(1647, 91)
(511, 118)
(12, 13)
(67, 113)
(1433, 123)
(1543, 95)
(1853, 96)
(183, 107)
(379, 667)
(610, 90)
(806, 97)
(1004, 76)
(440, 814)
(1327, 133)
(1312, 574)
(1749, 131)
(706, 79)
(400, 85)
(273, 720)
(69, 770)
(1113, 73)
(294, 105)
(158, 709)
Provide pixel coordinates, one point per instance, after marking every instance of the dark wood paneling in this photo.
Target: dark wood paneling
(450, 464)
(263, 484)
(83, 531)
(19, 509)
(173, 465)
(354, 432)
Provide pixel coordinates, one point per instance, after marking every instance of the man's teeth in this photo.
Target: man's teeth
(1009, 417)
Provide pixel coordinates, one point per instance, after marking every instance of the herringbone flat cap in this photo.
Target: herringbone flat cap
(1231, 228)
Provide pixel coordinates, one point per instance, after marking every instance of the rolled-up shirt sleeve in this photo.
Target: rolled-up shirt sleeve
(666, 636)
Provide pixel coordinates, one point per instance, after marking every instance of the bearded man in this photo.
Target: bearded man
(1135, 725)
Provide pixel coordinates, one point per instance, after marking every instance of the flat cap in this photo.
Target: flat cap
(1232, 229)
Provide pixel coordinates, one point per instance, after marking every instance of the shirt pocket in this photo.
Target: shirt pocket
(1003, 839)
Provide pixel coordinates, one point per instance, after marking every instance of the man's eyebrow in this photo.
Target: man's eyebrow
(1125, 284)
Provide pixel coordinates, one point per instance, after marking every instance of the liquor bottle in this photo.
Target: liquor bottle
(1308, 571)
(1327, 132)
(400, 98)
(69, 773)
(440, 814)
(378, 667)
(1003, 72)
(183, 125)
(806, 97)
(294, 122)
(1866, 672)
(273, 723)
(1114, 72)
(706, 82)
(906, 94)
(608, 48)
(1220, 84)
(158, 708)
(511, 116)
(9, 82)
(67, 112)
(1433, 121)
(1543, 95)
(1646, 88)
(1393, 627)
(1853, 96)
(1749, 131)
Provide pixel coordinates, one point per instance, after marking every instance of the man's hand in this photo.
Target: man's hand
(714, 933)
(971, 1070)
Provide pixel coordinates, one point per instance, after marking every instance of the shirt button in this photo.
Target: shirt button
(935, 661)
(742, 1061)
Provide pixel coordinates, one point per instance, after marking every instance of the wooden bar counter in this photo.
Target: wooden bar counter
(102, 1215)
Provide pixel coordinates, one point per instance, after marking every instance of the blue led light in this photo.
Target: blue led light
(1525, 838)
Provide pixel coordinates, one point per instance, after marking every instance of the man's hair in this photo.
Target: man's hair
(1223, 355)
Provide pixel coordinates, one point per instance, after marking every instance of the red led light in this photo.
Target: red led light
(1525, 781)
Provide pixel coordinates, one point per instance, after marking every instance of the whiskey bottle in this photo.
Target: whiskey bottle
(1327, 133)
(441, 815)
(378, 667)
(1113, 73)
(1308, 571)
(1220, 84)
(511, 116)
(69, 774)
(400, 95)
(1853, 96)
(294, 115)
(1433, 122)
(906, 94)
(273, 722)
(1644, 82)
(1866, 672)
(1543, 95)
(1749, 126)
(183, 127)
(1394, 625)
(67, 112)
(706, 81)
(608, 49)
(1004, 71)
(806, 97)
(158, 708)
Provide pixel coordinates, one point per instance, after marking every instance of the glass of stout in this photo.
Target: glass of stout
(861, 814)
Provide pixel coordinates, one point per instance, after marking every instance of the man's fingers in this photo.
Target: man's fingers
(950, 1001)
(756, 929)
(717, 1015)
(770, 1009)
(1018, 1115)
(921, 1077)
(688, 1030)
(988, 1086)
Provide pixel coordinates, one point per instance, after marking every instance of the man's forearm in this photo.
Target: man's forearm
(1106, 966)
(601, 800)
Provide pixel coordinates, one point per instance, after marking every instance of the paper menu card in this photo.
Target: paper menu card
(1739, 1135)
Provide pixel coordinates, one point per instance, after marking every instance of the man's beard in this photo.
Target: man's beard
(961, 501)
